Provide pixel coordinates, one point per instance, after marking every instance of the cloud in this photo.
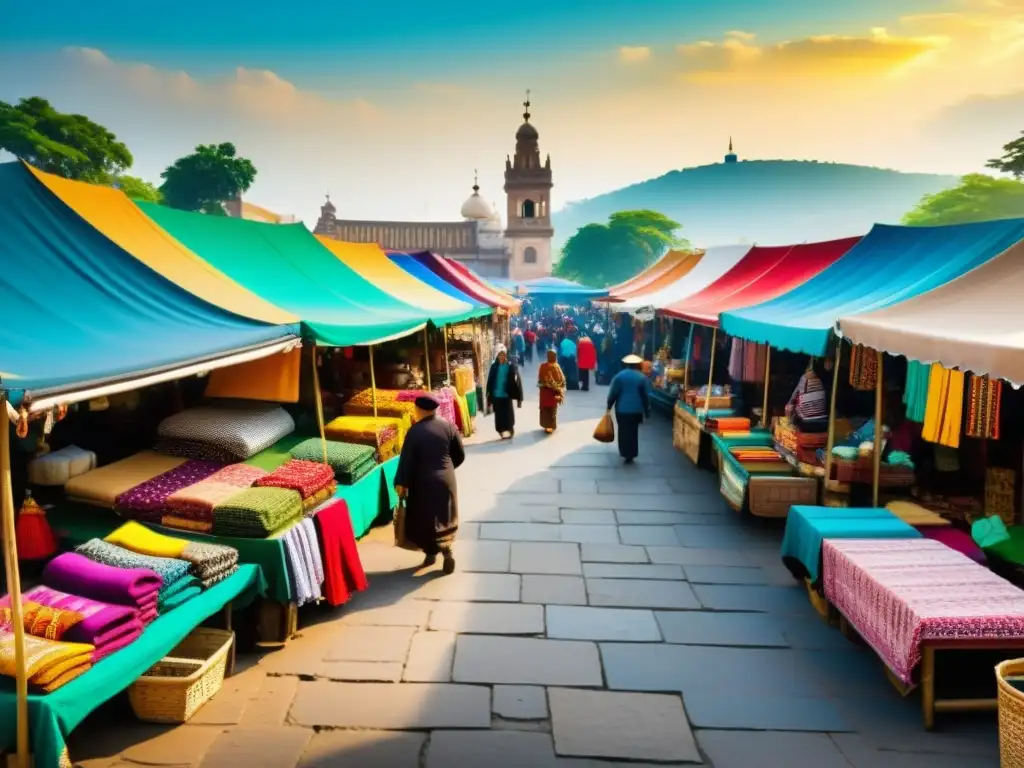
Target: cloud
(740, 34)
(632, 54)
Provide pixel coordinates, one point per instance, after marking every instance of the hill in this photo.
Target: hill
(769, 202)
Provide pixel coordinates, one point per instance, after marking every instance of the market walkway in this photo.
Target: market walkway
(589, 595)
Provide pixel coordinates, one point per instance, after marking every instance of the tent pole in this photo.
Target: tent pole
(711, 374)
(878, 431)
(686, 366)
(767, 381)
(447, 360)
(831, 442)
(319, 405)
(14, 589)
(373, 383)
(426, 356)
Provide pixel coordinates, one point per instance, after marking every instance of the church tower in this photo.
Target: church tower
(731, 157)
(528, 189)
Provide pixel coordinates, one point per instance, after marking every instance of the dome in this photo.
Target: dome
(527, 132)
(476, 208)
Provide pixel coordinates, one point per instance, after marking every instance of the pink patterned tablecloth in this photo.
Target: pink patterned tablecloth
(900, 592)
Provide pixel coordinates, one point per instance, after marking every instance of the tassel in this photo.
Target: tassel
(33, 533)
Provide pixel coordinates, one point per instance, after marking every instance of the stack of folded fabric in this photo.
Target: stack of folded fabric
(313, 481)
(760, 459)
(384, 433)
(349, 462)
(149, 500)
(104, 626)
(179, 585)
(191, 508)
(445, 396)
(209, 563)
(388, 404)
(75, 574)
(224, 433)
(257, 512)
(48, 663)
(728, 425)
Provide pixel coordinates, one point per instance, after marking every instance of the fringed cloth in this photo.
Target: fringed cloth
(944, 413)
(863, 368)
(983, 407)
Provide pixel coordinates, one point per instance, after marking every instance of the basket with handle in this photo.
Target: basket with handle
(1011, 713)
(174, 688)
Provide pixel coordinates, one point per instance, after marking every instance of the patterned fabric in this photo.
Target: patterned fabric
(346, 459)
(42, 620)
(299, 567)
(444, 396)
(48, 663)
(808, 400)
(983, 407)
(149, 500)
(209, 560)
(228, 433)
(257, 512)
(197, 501)
(306, 477)
(899, 594)
(863, 368)
(365, 430)
(169, 569)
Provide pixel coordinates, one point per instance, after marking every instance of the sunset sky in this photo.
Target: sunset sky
(390, 106)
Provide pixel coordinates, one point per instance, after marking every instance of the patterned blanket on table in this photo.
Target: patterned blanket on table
(224, 433)
(901, 593)
(198, 500)
(257, 512)
(149, 500)
(349, 462)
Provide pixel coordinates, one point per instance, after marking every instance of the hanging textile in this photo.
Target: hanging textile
(944, 412)
(915, 394)
(747, 361)
(983, 407)
(736, 360)
(863, 368)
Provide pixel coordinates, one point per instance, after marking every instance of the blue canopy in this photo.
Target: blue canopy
(79, 310)
(548, 286)
(426, 275)
(889, 265)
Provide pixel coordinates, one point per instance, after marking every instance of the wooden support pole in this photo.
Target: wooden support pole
(878, 430)
(373, 383)
(426, 356)
(831, 442)
(711, 374)
(319, 405)
(767, 384)
(447, 359)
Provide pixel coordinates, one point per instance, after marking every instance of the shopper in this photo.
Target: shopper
(628, 395)
(586, 360)
(551, 381)
(504, 386)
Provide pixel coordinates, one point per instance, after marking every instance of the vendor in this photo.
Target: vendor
(808, 405)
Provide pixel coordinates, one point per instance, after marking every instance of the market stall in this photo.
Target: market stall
(671, 267)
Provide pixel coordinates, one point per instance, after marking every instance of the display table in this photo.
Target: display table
(53, 716)
(762, 490)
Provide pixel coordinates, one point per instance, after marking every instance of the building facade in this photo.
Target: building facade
(528, 192)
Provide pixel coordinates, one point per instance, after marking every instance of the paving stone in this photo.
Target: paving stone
(861, 754)
(612, 553)
(728, 597)
(570, 622)
(723, 629)
(510, 511)
(586, 459)
(560, 590)
(177, 746)
(546, 558)
(724, 574)
(589, 534)
(408, 706)
(520, 531)
(632, 726)
(279, 746)
(633, 571)
(271, 703)
(765, 712)
(723, 537)
(363, 749)
(588, 516)
(645, 487)
(641, 593)
(367, 643)
(430, 658)
(578, 486)
(679, 555)
(229, 703)
(526, 661)
(810, 632)
(348, 671)
(493, 749)
(746, 749)
(627, 517)
(406, 614)
(468, 531)
(488, 618)
(652, 535)
(658, 503)
(482, 556)
(536, 484)
(483, 587)
(520, 702)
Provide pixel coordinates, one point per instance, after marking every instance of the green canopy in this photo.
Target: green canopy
(284, 264)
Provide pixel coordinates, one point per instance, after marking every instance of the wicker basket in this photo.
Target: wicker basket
(1011, 715)
(174, 688)
(773, 496)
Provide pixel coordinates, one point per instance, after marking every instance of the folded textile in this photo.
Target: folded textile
(318, 498)
(365, 430)
(149, 500)
(343, 570)
(358, 472)
(138, 538)
(78, 574)
(169, 569)
(346, 459)
(257, 512)
(48, 663)
(198, 500)
(188, 524)
(218, 576)
(102, 486)
(306, 477)
(209, 560)
(233, 432)
(177, 593)
(40, 620)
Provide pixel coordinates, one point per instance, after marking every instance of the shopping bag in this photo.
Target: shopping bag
(605, 432)
(400, 540)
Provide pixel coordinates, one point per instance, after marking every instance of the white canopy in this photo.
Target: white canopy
(715, 262)
(974, 323)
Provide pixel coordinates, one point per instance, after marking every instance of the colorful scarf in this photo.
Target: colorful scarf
(944, 412)
(863, 368)
(983, 407)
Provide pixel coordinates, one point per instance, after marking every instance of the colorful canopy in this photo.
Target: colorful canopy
(655, 274)
(712, 265)
(974, 323)
(891, 264)
(80, 310)
(422, 273)
(549, 286)
(764, 273)
(504, 301)
(370, 261)
(461, 279)
(286, 265)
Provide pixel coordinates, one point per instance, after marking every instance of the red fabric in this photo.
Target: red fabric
(461, 278)
(548, 399)
(306, 477)
(763, 274)
(531, 337)
(343, 570)
(586, 355)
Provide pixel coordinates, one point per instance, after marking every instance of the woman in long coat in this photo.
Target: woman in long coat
(551, 381)
(426, 480)
(504, 386)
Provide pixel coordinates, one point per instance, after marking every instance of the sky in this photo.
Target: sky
(391, 107)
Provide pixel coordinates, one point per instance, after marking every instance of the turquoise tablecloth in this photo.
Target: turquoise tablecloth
(807, 527)
(367, 499)
(53, 716)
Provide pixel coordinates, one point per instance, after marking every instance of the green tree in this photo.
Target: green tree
(1012, 161)
(976, 198)
(600, 255)
(72, 146)
(138, 189)
(206, 179)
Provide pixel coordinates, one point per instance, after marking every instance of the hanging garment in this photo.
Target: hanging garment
(863, 368)
(983, 407)
(915, 394)
(736, 360)
(944, 412)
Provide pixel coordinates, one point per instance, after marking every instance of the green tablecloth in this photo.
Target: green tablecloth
(366, 499)
(53, 716)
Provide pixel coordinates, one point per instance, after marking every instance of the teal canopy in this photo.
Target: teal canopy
(889, 265)
(552, 287)
(284, 264)
(80, 311)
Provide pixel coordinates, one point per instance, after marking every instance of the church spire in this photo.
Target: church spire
(476, 182)
(731, 156)
(526, 107)
(730, 143)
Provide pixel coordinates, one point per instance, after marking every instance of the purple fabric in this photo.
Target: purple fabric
(149, 500)
(954, 539)
(78, 575)
(129, 634)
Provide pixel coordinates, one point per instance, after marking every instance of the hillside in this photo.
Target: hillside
(770, 202)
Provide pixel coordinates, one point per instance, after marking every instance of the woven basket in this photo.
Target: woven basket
(773, 496)
(1011, 715)
(174, 688)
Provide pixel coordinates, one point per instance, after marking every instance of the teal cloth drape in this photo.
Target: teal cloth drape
(915, 393)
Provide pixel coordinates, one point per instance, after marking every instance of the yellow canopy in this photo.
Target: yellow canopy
(111, 213)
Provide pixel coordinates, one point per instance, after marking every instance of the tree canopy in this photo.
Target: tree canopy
(976, 198)
(1012, 161)
(138, 189)
(72, 146)
(605, 254)
(206, 179)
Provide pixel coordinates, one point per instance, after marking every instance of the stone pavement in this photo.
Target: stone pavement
(601, 615)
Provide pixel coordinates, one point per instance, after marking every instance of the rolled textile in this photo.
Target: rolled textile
(188, 524)
(226, 433)
(343, 570)
(77, 574)
(138, 538)
(344, 458)
(305, 477)
(169, 569)
(149, 500)
(257, 512)
(48, 663)
(198, 500)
